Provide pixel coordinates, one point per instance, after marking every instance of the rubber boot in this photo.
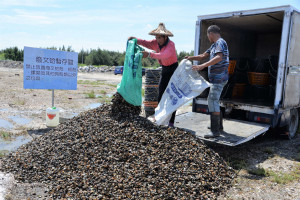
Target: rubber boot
(221, 123)
(215, 127)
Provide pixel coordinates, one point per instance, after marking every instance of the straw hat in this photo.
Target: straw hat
(161, 30)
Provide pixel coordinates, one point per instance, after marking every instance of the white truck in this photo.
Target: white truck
(264, 86)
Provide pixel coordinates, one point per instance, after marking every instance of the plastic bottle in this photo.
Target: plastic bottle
(52, 117)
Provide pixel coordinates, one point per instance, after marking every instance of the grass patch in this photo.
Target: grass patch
(95, 83)
(103, 92)
(104, 99)
(269, 150)
(91, 94)
(284, 178)
(5, 135)
(20, 102)
(87, 82)
(82, 65)
(111, 85)
(278, 177)
(237, 163)
(3, 153)
(258, 171)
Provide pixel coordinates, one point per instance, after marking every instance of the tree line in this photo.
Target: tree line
(91, 57)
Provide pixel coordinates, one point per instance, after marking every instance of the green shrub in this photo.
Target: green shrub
(258, 171)
(91, 94)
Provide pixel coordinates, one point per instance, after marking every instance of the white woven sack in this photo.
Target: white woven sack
(184, 85)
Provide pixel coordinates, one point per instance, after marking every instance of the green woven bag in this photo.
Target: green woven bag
(131, 84)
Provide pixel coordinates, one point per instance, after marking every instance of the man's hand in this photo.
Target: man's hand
(198, 67)
(188, 57)
(131, 37)
(145, 54)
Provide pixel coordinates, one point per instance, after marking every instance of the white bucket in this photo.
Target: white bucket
(52, 117)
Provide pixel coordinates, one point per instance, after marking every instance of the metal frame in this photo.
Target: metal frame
(197, 40)
(240, 106)
(281, 72)
(287, 64)
(247, 12)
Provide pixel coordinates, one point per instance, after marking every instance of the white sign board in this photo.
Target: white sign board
(50, 69)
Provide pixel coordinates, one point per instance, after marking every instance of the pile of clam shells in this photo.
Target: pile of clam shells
(113, 153)
(122, 109)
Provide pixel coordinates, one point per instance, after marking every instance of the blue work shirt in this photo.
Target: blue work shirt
(218, 73)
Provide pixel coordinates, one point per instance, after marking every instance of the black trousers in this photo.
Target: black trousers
(166, 74)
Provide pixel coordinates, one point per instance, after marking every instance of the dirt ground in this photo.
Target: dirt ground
(267, 167)
(92, 89)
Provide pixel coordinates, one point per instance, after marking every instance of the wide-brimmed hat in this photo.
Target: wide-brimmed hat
(161, 30)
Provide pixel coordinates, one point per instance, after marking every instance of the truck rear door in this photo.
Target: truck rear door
(292, 83)
(235, 132)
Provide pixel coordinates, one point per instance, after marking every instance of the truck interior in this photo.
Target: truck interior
(254, 44)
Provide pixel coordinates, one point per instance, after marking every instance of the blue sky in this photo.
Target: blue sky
(107, 24)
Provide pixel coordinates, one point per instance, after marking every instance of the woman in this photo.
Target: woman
(165, 53)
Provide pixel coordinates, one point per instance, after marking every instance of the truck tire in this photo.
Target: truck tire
(293, 124)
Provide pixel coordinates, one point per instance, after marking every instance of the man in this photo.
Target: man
(166, 56)
(217, 74)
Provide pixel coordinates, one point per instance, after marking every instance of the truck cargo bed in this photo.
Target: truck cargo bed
(235, 132)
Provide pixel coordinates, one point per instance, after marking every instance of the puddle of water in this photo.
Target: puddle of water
(102, 95)
(69, 115)
(14, 144)
(4, 109)
(93, 105)
(5, 124)
(19, 120)
(66, 116)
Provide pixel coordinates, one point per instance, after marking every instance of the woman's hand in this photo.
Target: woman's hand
(131, 37)
(145, 54)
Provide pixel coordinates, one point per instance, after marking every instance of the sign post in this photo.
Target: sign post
(50, 69)
(53, 98)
